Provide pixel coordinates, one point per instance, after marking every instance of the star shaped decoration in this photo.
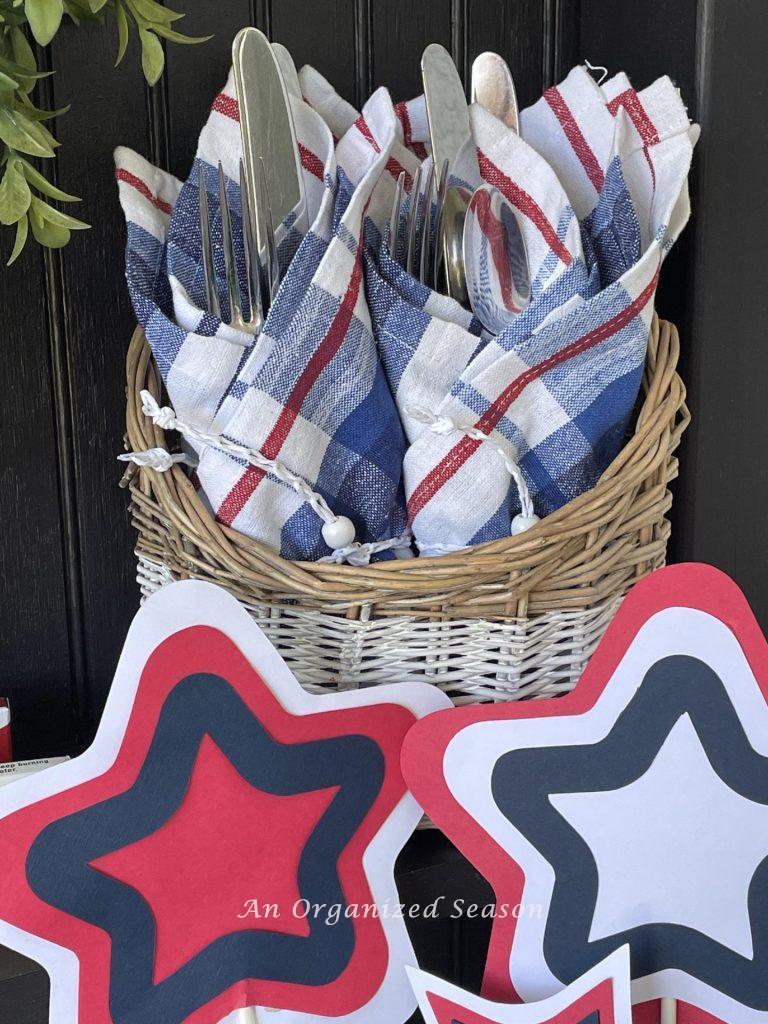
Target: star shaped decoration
(228, 840)
(632, 811)
(601, 996)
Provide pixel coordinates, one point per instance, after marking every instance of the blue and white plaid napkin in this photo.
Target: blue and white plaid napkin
(599, 178)
(309, 397)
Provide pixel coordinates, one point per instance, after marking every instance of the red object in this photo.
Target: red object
(6, 752)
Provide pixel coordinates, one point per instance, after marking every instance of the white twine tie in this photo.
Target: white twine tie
(445, 425)
(338, 531)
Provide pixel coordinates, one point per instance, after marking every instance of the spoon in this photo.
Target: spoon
(495, 260)
(493, 87)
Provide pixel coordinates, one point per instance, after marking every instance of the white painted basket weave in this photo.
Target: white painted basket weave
(515, 618)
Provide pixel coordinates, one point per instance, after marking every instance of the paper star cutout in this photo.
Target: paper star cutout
(601, 996)
(633, 852)
(215, 780)
(548, 797)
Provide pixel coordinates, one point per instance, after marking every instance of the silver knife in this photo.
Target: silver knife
(447, 111)
(269, 138)
(450, 130)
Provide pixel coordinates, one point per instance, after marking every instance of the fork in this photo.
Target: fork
(260, 279)
(418, 222)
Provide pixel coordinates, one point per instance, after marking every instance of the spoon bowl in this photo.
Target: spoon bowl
(495, 260)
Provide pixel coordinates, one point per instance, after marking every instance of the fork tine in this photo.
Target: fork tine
(252, 265)
(235, 308)
(272, 264)
(441, 190)
(412, 221)
(211, 296)
(394, 219)
(426, 229)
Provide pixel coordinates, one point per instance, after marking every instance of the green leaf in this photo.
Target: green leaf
(23, 53)
(74, 12)
(22, 229)
(7, 83)
(155, 12)
(122, 31)
(36, 114)
(19, 132)
(44, 18)
(52, 235)
(152, 56)
(20, 71)
(41, 183)
(96, 5)
(15, 197)
(53, 216)
(178, 37)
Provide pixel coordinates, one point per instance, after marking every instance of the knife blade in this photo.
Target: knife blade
(266, 127)
(447, 111)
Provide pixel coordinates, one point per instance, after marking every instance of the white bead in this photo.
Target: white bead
(340, 533)
(403, 553)
(522, 523)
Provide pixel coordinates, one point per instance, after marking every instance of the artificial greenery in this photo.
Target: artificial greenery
(24, 190)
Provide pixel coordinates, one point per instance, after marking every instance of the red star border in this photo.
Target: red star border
(216, 796)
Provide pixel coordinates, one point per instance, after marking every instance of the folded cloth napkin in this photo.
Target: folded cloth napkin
(599, 179)
(299, 426)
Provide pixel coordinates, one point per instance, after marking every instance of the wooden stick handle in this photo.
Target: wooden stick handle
(668, 1011)
(247, 1016)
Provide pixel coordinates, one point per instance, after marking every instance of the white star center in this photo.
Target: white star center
(662, 857)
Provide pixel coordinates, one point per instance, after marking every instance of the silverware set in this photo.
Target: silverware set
(271, 184)
(467, 244)
(446, 236)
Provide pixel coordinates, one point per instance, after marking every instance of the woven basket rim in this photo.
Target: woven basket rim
(644, 464)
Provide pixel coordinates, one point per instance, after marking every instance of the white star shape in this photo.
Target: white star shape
(655, 837)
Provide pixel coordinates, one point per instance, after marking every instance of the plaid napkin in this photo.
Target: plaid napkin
(300, 426)
(599, 178)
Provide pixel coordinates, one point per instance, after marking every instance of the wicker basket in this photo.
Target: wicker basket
(516, 617)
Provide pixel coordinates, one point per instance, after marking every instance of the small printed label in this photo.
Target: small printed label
(18, 769)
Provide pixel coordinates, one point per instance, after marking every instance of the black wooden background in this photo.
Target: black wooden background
(66, 560)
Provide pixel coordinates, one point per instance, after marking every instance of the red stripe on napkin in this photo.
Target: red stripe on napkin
(646, 129)
(364, 128)
(630, 101)
(235, 501)
(141, 186)
(227, 105)
(401, 110)
(459, 454)
(525, 203)
(393, 166)
(310, 162)
(575, 136)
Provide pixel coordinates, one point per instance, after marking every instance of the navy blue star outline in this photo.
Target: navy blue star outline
(522, 781)
(59, 872)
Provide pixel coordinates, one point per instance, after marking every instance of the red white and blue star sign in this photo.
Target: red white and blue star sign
(222, 842)
(601, 996)
(632, 811)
